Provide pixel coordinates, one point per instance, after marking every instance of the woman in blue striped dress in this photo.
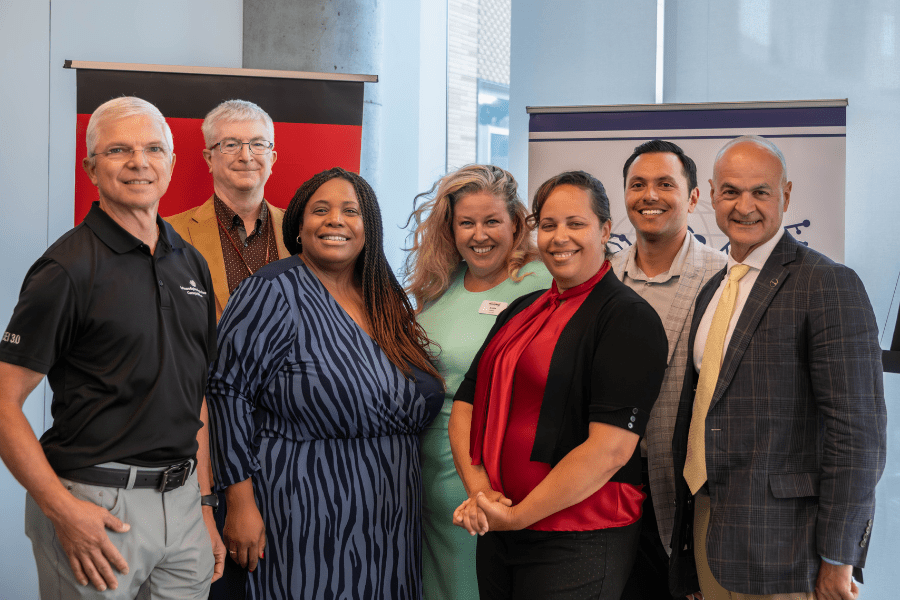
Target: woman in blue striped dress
(321, 387)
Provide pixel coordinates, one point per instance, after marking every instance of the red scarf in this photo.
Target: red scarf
(494, 386)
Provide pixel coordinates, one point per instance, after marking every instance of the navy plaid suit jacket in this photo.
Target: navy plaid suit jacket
(795, 434)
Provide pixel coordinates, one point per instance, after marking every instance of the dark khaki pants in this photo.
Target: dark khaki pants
(708, 584)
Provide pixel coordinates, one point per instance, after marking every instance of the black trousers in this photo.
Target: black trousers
(562, 565)
(649, 579)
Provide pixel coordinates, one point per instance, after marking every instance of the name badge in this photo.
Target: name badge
(491, 307)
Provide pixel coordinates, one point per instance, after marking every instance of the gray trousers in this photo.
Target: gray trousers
(167, 548)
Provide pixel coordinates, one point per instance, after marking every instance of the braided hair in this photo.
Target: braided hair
(389, 312)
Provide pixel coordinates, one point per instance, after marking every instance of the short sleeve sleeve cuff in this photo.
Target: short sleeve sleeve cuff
(42, 324)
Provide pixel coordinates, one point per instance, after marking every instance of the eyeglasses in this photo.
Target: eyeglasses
(123, 153)
(235, 146)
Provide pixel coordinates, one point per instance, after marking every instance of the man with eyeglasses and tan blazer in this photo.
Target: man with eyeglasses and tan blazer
(237, 231)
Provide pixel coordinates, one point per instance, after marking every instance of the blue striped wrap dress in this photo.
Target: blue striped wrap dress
(302, 400)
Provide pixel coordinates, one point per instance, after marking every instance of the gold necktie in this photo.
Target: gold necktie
(695, 466)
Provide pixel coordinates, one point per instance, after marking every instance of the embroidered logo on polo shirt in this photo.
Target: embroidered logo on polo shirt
(12, 338)
(193, 290)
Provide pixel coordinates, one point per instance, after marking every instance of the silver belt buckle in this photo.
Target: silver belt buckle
(172, 473)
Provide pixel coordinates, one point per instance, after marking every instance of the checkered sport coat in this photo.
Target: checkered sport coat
(795, 434)
(701, 263)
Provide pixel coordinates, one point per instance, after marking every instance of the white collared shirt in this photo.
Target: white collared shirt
(755, 261)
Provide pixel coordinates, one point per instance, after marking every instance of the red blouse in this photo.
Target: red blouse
(613, 505)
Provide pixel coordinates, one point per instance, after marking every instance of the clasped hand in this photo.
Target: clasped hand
(490, 511)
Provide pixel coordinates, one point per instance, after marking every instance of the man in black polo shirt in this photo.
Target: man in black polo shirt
(119, 314)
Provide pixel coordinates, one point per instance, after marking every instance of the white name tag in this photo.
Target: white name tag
(490, 307)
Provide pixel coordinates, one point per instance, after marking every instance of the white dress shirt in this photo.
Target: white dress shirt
(755, 260)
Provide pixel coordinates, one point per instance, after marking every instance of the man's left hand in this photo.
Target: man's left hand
(218, 547)
(835, 582)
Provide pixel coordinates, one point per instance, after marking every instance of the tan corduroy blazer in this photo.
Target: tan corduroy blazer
(198, 227)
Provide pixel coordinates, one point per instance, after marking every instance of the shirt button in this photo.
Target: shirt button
(634, 411)
(160, 283)
(633, 419)
(631, 426)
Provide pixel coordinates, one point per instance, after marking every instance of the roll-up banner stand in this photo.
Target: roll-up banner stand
(599, 139)
(318, 121)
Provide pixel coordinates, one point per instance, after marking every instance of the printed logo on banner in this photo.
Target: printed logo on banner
(811, 135)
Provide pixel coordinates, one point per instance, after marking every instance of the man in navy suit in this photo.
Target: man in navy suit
(781, 429)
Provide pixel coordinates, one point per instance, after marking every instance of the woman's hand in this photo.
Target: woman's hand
(244, 532)
(472, 518)
(500, 516)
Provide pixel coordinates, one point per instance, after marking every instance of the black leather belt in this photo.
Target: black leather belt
(163, 481)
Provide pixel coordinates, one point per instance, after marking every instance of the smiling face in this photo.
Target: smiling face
(657, 198)
(484, 232)
(130, 182)
(242, 173)
(570, 237)
(749, 196)
(332, 231)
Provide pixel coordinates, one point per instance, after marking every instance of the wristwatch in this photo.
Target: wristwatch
(211, 500)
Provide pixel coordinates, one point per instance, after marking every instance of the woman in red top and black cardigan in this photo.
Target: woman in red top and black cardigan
(545, 427)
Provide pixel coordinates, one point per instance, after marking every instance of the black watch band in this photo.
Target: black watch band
(211, 500)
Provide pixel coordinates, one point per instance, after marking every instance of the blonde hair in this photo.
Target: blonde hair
(433, 257)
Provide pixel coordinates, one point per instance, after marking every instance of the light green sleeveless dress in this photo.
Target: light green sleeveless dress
(455, 323)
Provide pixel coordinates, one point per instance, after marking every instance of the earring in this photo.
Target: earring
(299, 245)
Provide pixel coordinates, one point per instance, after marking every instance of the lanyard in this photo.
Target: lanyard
(238, 250)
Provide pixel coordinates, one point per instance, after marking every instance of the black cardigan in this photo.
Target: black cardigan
(607, 367)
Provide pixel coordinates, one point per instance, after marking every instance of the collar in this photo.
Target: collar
(226, 215)
(675, 269)
(114, 235)
(554, 296)
(758, 258)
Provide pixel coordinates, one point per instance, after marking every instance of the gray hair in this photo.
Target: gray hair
(759, 141)
(234, 111)
(123, 108)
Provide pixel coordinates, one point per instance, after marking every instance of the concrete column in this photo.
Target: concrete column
(328, 36)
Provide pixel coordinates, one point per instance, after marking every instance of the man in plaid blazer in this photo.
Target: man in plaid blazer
(666, 266)
(795, 431)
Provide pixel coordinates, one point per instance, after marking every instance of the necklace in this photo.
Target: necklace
(238, 250)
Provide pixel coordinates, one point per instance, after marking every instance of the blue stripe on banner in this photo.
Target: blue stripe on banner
(743, 118)
(687, 137)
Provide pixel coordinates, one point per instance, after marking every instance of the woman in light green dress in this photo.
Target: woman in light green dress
(472, 255)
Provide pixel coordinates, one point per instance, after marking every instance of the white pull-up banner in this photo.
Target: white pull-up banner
(599, 139)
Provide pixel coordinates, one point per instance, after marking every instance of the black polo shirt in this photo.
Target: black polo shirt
(125, 338)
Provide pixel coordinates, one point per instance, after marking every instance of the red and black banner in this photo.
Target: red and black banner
(318, 125)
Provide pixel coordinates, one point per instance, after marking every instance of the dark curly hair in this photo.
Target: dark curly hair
(388, 310)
